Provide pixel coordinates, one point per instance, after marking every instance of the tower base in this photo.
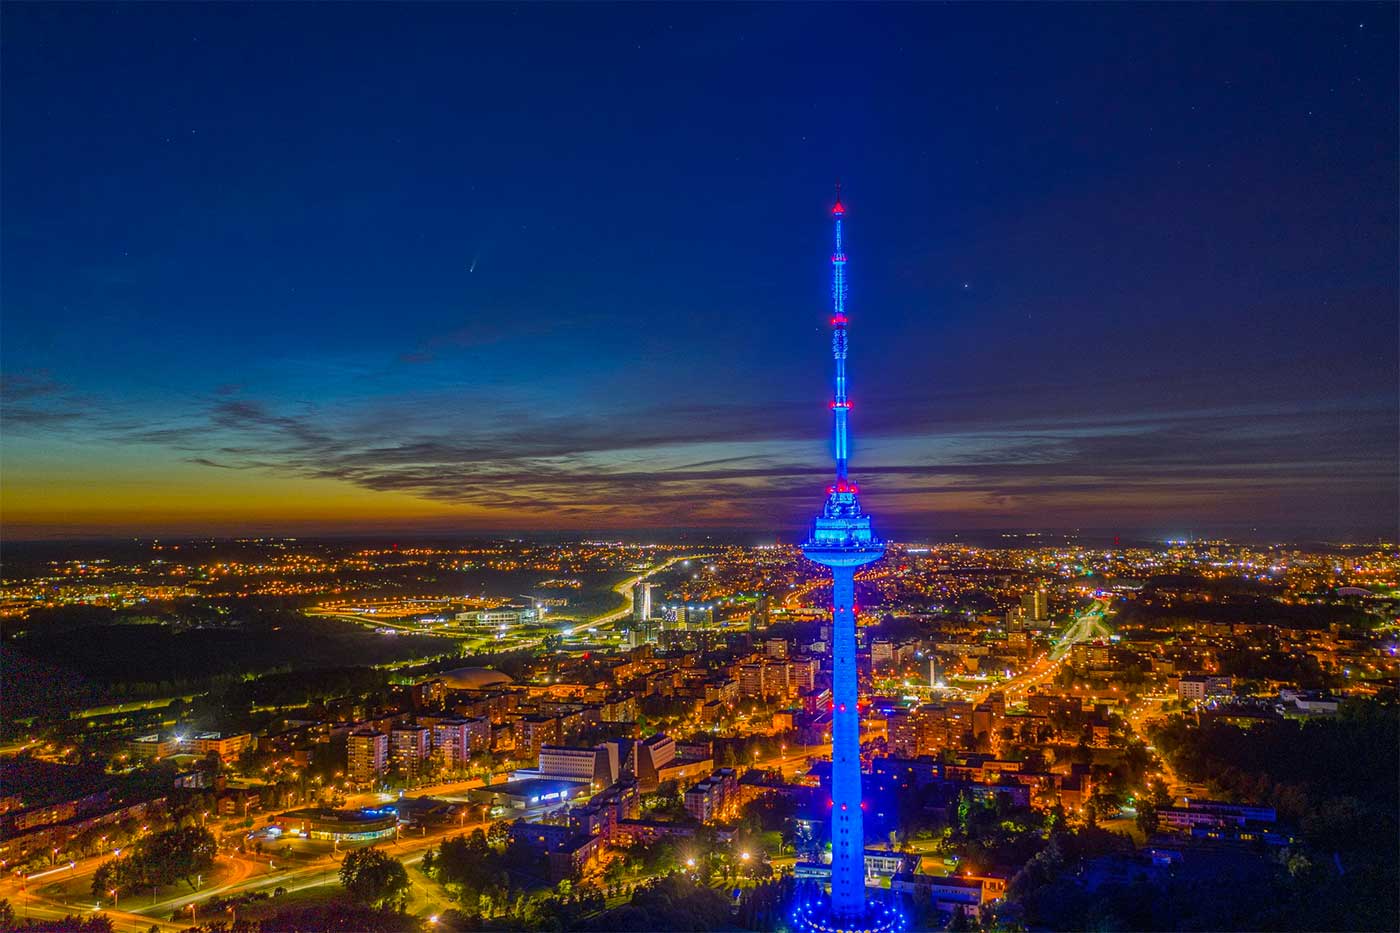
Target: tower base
(814, 915)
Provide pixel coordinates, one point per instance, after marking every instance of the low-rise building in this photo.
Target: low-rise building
(1200, 686)
(151, 747)
(340, 825)
(228, 746)
(1212, 813)
(596, 766)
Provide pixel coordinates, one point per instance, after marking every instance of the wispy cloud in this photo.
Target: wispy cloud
(687, 464)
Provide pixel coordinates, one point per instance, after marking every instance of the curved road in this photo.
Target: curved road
(624, 589)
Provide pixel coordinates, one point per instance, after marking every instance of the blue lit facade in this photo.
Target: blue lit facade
(843, 540)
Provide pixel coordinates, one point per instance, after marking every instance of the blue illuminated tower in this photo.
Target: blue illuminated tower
(843, 540)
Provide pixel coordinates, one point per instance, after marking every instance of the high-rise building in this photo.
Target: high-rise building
(1036, 605)
(701, 616)
(534, 731)
(478, 734)
(641, 601)
(843, 540)
(763, 678)
(409, 750)
(428, 693)
(367, 755)
(452, 743)
(802, 674)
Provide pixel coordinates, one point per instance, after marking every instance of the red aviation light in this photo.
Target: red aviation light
(846, 405)
(839, 321)
(838, 208)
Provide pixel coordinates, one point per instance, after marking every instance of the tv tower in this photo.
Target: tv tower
(843, 540)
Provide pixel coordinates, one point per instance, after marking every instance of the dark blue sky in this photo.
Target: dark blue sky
(310, 267)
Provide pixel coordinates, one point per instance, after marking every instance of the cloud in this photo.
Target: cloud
(656, 466)
(35, 401)
(686, 464)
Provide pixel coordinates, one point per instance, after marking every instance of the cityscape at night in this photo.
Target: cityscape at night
(699, 467)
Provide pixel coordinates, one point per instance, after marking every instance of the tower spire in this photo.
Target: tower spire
(840, 404)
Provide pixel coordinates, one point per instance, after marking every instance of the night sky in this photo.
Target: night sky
(310, 268)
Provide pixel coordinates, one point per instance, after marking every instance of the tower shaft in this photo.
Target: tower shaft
(847, 823)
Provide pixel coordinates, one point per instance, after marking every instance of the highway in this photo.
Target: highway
(792, 761)
(55, 896)
(793, 598)
(1088, 624)
(624, 589)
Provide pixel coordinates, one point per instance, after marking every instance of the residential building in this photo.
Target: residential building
(409, 748)
(367, 756)
(715, 798)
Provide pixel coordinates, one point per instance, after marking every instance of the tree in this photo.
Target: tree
(92, 923)
(1147, 820)
(340, 918)
(498, 836)
(159, 859)
(373, 878)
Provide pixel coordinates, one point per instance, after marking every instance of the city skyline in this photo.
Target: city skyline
(324, 301)
(440, 492)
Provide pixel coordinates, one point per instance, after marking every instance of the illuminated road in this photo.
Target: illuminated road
(793, 761)
(793, 598)
(1089, 624)
(1147, 709)
(624, 589)
(52, 896)
(46, 897)
(1044, 669)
